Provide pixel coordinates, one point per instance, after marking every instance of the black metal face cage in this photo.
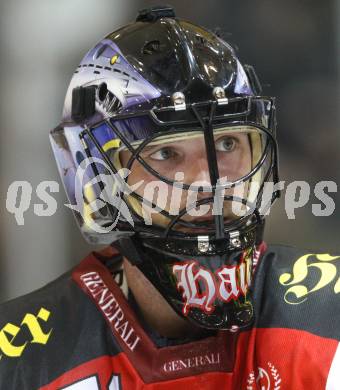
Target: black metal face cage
(204, 115)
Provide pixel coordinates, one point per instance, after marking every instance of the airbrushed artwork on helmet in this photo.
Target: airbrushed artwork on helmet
(118, 84)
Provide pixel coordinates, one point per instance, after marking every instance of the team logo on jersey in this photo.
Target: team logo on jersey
(200, 287)
(264, 379)
(9, 333)
(310, 274)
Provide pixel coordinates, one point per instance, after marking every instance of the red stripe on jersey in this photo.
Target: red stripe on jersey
(272, 359)
(117, 373)
(152, 363)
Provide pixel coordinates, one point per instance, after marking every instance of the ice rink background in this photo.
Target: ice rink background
(294, 47)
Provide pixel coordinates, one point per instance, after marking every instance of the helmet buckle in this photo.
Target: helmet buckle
(203, 244)
(178, 99)
(235, 239)
(219, 95)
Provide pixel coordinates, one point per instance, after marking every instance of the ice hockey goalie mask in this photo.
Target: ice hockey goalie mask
(164, 149)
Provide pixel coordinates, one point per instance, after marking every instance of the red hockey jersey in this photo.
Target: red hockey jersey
(80, 333)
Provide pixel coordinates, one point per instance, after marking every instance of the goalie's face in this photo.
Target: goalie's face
(190, 242)
(185, 161)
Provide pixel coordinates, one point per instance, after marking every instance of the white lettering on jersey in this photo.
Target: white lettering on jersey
(110, 308)
(195, 361)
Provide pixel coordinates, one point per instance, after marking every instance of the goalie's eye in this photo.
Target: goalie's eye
(163, 154)
(226, 144)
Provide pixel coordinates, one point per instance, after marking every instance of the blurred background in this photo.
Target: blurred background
(294, 46)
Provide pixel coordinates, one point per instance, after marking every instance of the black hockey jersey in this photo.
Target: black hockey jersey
(80, 333)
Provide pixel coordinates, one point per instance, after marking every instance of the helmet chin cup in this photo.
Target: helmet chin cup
(211, 290)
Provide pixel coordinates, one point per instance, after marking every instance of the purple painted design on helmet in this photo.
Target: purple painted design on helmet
(119, 85)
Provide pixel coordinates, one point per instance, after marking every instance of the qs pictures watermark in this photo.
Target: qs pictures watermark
(158, 196)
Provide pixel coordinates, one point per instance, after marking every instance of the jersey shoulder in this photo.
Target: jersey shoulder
(56, 327)
(299, 289)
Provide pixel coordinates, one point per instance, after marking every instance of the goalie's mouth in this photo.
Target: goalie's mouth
(202, 225)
